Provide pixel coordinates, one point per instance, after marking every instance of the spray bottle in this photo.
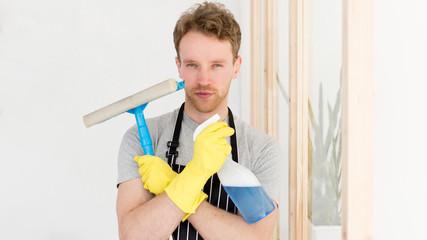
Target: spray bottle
(242, 185)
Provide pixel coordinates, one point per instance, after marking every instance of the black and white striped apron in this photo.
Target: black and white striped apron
(217, 196)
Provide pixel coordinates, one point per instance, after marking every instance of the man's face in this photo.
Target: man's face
(207, 66)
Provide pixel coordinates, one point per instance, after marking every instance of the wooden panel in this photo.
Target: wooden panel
(357, 122)
(256, 65)
(270, 75)
(270, 68)
(298, 139)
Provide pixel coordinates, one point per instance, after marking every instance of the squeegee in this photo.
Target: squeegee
(135, 104)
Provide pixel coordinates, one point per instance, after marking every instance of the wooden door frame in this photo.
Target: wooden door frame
(298, 120)
(357, 121)
(264, 66)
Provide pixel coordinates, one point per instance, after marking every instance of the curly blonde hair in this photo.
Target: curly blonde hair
(212, 19)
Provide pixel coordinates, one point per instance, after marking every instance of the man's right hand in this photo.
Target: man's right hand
(211, 149)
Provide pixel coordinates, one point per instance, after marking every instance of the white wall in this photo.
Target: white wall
(400, 156)
(60, 60)
(283, 114)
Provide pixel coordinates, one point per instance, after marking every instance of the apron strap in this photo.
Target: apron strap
(172, 153)
(233, 138)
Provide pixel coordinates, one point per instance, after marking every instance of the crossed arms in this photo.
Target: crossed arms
(142, 215)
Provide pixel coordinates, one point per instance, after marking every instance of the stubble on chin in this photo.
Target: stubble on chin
(204, 105)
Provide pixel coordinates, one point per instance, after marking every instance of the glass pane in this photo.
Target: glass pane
(325, 60)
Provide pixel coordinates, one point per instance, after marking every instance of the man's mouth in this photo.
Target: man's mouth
(204, 94)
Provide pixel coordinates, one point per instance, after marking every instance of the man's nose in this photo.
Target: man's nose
(203, 77)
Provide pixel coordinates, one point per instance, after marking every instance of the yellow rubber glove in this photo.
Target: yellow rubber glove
(156, 175)
(210, 151)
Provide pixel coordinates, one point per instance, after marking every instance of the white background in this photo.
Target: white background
(60, 60)
(400, 156)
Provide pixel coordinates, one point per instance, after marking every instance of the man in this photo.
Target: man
(169, 200)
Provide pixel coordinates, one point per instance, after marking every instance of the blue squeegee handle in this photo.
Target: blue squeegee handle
(144, 134)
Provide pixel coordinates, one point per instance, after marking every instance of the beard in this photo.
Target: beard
(206, 105)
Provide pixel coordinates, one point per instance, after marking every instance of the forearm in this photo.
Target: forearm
(215, 223)
(154, 219)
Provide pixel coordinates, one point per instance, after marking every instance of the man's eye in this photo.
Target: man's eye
(191, 65)
(217, 65)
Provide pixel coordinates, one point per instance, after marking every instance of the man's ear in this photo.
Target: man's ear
(178, 65)
(237, 65)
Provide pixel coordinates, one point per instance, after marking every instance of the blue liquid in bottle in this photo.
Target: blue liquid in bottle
(252, 202)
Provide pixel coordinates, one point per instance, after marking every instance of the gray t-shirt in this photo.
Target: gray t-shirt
(257, 151)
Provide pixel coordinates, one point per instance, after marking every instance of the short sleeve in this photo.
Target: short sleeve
(129, 148)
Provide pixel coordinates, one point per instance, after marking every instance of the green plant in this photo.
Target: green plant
(325, 163)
